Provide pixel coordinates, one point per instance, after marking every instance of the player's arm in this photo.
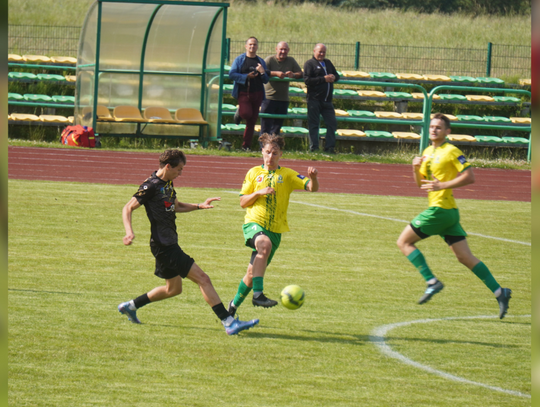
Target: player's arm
(417, 164)
(463, 179)
(313, 184)
(188, 207)
(248, 200)
(126, 218)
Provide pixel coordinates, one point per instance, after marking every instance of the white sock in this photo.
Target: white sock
(432, 281)
(132, 306)
(228, 321)
(498, 292)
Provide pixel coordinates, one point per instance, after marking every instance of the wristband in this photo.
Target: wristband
(198, 206)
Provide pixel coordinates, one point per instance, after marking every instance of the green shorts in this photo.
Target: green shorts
(252, 229)
(439, 221)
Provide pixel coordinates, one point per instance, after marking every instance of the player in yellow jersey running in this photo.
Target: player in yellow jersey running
(441, 168)
(265, 196)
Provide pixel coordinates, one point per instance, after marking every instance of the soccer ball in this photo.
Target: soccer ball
(292, 297)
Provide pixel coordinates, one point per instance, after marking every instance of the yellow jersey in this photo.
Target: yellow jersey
(270, 211)
(444, 163)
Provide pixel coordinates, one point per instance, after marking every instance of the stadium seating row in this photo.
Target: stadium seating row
(49, 77)
(41, 59)
(348, 133)
(132, 114)
(23, 117)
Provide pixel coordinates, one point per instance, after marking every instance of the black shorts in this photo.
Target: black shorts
(171, 261)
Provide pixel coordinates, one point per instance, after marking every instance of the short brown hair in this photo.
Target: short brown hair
(442, 117)
(172, 157)
(252, 38)
(266, 138)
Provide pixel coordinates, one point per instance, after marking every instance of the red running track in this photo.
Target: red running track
(111, 167)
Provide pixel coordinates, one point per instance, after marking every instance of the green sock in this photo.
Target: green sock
(258, 284)
(418, 260)
(483, 273)
(243, 291)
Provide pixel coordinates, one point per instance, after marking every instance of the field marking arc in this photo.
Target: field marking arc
(377, 338)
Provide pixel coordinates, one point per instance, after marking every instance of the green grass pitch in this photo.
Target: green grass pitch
(69, 346)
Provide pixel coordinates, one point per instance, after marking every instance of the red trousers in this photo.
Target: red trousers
(249, 105)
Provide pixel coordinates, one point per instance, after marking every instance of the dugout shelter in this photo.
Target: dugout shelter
(141, 59)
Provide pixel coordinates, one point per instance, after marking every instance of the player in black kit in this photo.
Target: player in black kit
(158, 196)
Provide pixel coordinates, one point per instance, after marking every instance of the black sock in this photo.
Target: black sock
(220, 311)
(141, 301)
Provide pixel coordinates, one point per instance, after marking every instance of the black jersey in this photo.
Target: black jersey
(158, 197)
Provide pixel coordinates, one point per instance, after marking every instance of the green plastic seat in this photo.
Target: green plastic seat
(497, 119)
(227, 107)
(299, 110)
(515, 140)
(51, 77)
(468, 79)
(235, 127)
(382, 75)
(378, 133)
(322, 131)
(37, 98)
(345, 92)
(294, 130)
(469, 118)
(360, 113)
(15, 96)
(403, 95)
(294, 89)
(22, 75)
(452, 97)
(228, 87)
(488, 139)
(506, 99)
(63, 99)
(493, 81)
(227, 68)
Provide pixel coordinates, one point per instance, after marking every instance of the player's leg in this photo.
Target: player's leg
(263, 245)
(463, 253)
(244, 288)
(406, 243)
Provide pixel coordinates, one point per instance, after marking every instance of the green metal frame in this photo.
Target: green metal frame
(424, 141)
(221, 8)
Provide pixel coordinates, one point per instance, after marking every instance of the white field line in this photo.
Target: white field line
(404, 221)
(378, 338)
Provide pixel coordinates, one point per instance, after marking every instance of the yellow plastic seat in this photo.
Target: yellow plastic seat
(479, 98)
(521, 120)
(14, 58)
(438, 78)
(525, 82)
(350, 133)
(341, 113)
(103, 113)
(125, 113)
(71, 78)
(461, 137)
(371, 93)
(409, 76)
(451, 117)
(388, 115)
(71, 119)
(411, 115)
(189, 115)
(257, 128)
(406, 135)
(355, 74)
(24, 117)
(36, 58)
(49, 118)
(158, 115)
(420, 95)
(64, 60)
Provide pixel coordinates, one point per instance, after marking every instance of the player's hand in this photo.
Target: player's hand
(312, 172)
(206, 204)
(431, 186)
(128, 239)
(267, 191)
(417, 161)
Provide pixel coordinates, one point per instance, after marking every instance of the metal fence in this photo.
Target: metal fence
(495, 60)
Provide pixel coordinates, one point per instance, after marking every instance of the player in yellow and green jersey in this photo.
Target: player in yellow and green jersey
(265, 196)
(441, 168)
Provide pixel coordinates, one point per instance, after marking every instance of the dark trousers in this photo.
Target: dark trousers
(248, 109)
(273, 126)
(316, 109)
